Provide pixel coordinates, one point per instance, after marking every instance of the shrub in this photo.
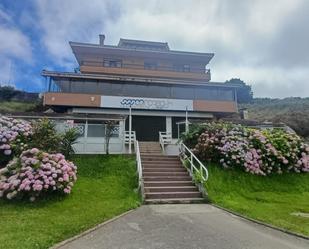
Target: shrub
(255, 151)
(45, 136)
(36, 173)
(14, 137)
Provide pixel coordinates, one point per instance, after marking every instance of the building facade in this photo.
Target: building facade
(160, 85)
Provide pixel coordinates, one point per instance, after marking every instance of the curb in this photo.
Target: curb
(64, 242)
(262, 223)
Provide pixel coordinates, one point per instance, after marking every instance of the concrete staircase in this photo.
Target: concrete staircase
(165, 178)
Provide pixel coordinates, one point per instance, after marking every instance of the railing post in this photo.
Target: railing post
(191, 161)
(130, 130)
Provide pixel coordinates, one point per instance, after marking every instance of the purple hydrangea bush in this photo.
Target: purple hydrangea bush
(259, 152)
(14, 134)
(36, 173)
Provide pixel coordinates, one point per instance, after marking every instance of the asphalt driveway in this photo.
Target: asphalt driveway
(188, 226)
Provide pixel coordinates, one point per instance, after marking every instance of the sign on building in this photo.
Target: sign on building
(147, 103)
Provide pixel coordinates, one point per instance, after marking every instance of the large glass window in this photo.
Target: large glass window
(151, 65)
(96, 130)
(112, 63)
(179, 92)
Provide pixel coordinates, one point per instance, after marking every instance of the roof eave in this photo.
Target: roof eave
(172, 52)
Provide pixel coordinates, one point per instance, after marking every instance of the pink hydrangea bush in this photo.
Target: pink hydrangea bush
(255, 151)
(36, 173)
(14, 135)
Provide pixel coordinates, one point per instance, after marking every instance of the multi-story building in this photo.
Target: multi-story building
(160, 86)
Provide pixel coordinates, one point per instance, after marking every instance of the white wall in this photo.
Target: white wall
(95, 145)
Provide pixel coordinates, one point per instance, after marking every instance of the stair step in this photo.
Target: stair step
(162, 168)
(169, 169)
(156, 153)
(164, 195)
(166, 178)
(171, 189)
(161, 163)
(175, 201)
(158, 157)
(172, 159)
(167, 183)
(185, 173)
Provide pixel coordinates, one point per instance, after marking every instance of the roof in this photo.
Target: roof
(83, 51)
(137, 79)
(151, 45)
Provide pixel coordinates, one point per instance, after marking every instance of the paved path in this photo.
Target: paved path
(189, 226)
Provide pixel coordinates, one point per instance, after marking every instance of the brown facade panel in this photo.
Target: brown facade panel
(214, 106)
(72, 99)
(146, 73)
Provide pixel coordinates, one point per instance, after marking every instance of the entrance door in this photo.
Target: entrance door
(146, 127)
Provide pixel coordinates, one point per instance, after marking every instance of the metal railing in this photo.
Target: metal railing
(165, 138)
(127, 137)
(196, 166)
(139, 168)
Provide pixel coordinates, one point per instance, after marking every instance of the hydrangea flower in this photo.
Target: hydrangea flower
(30, 175)
(255, 151)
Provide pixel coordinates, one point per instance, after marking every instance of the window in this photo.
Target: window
(182, 68)
(150, 65)
(115, 131)
(186, 68)
(179, 92)
(96, 130)
(112, 63)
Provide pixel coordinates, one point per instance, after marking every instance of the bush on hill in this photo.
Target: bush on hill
(259, 152)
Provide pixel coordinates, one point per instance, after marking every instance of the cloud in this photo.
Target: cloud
(70, 20)
(14, 46)
(263, 42)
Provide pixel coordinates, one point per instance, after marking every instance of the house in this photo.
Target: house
(159, 86)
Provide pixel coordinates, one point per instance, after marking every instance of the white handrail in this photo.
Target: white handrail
(139, 167)
(127, 137)
(186, 153)
(164, 138)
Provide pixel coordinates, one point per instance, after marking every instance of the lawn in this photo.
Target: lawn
(106, 187)
(15, 106)
(270, 199)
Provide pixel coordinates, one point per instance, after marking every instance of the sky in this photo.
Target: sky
(265, 43)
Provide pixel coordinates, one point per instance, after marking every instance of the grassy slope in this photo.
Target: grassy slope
(14, 106)
(105, 188)
(270, 199)
(267, 109)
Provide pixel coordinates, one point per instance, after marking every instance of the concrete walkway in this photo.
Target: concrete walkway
(188, 226)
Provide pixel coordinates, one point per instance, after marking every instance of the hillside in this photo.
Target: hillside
(292, 111)
(17, 106)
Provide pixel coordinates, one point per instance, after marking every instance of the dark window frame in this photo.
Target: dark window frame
(150, 65)
(112, 63)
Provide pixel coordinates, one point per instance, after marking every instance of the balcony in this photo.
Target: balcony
(194, 73)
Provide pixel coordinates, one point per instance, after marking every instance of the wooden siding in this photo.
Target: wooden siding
(72, 99)
(214, 106)
(145, 73)
(91, 100)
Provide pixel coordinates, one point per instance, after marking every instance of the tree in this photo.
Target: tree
(7, 92)
(244, 91)
(109, 130)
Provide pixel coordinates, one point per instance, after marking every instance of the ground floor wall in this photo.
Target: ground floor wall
(148, 123)
(92, 137)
